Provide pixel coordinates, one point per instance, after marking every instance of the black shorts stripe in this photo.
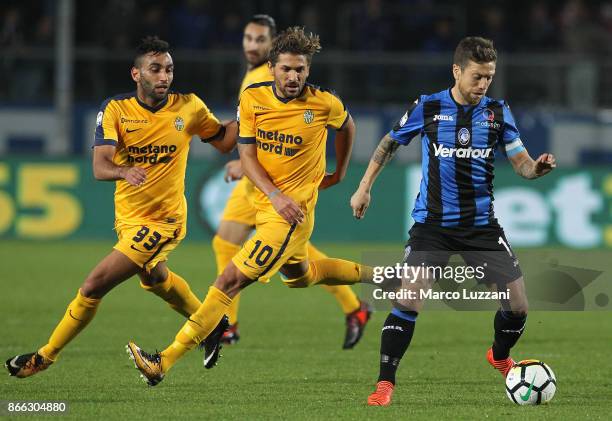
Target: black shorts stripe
(160, 247)
(434, 187)
(463, 171)
(492, 138)
(280, 251)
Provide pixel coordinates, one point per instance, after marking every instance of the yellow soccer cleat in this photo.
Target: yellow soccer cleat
(27, 365)
(149, 365)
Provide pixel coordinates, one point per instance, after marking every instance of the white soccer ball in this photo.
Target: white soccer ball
(530, 382)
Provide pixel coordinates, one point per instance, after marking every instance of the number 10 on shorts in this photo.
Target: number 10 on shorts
(264, 254)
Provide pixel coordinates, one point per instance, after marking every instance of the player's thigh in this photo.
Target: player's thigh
(489, 252)
(149, 244)
(427, 252)
(115, 268)
(239, 209)
(234, 232)
(274, 244)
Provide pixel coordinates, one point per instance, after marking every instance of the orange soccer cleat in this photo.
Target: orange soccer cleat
(382, 395)
(503, 366)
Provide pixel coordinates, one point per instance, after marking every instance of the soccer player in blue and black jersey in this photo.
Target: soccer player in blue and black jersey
(460, 129)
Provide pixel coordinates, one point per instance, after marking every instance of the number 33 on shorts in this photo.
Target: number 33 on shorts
(147, 245)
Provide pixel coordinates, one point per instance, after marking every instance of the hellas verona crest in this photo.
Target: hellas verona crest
(179, 123)
(308, 116)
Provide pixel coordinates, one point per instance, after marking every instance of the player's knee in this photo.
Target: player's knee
(151, 279)
(93, 287)
(520, 311)
(231, 281)
(517, 311)
(303, 281)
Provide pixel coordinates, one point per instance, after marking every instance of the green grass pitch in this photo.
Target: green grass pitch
(289, 363)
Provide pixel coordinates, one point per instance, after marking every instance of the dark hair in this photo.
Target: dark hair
(150, 44)
(294, 41)
(264, 20)
(476, 49)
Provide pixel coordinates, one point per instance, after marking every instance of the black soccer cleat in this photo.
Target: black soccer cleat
(27, 365)
(212, 344)
(355, 325)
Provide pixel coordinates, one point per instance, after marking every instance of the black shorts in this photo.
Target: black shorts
(485, 249)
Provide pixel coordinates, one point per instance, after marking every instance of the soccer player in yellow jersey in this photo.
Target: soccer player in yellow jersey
(141, 141)
(283, 128)
(238, 219)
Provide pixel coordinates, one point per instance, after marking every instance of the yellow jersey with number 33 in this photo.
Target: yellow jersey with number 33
(290, 136)
(157, 140)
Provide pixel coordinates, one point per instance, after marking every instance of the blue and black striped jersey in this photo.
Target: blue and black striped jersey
(459, 145)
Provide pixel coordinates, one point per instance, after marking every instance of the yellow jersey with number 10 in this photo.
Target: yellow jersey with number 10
(290, 135)
(157, 140)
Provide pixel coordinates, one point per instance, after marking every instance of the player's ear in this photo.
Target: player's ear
(135, 72)
(271, 68)
(456, 71)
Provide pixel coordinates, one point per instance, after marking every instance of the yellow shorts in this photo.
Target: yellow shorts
(147, 245)
(239, 206)
(274, 244)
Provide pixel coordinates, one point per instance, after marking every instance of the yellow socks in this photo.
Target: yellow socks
(198, 327)
(345, 296)
(78, 315)
(330, 272)
(176, 292)
(224, 251)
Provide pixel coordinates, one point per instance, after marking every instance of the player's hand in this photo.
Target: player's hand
(287, 208)
(136, 176)
(330, 179)
(360, 202)
(545, 164)
(233, 171)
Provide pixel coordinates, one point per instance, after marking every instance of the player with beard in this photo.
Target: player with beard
(141, 142)
(283, 132)
(238, 219)
(460, 128)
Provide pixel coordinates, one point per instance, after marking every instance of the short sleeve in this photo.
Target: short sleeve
(510, 130)
(409, 125)
(511, 136)
(338, 114)
(207, 126)
(246, 119)
(106, 125)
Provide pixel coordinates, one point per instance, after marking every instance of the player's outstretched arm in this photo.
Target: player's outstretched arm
(227, 138)
(385, 150)
(106, 170)
(344, 147)
(526, 167)
(284, 205)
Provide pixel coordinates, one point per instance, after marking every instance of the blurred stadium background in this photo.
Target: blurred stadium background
(61, 58)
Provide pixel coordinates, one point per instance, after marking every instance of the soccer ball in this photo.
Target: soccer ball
(530, 382)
